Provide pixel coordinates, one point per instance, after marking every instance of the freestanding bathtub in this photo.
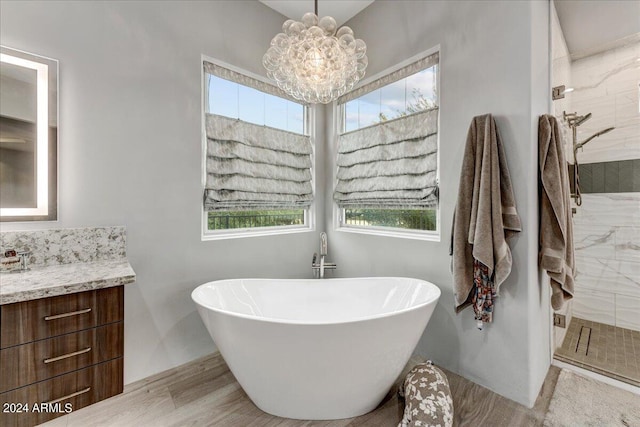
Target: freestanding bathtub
(316, 349)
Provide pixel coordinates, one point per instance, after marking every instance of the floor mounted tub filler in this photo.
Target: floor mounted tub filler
(316, 349)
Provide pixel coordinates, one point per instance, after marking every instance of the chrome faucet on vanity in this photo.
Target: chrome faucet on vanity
(320, 267)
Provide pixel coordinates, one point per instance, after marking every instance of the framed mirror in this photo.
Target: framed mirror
(28, 136)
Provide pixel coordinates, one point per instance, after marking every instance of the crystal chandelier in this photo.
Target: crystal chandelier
(313, 62)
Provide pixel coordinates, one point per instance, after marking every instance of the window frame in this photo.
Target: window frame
(338, 212)
(235, 233)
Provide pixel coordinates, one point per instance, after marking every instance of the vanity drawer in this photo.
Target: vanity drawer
(26, 364)
(28, 321)
(79, 389)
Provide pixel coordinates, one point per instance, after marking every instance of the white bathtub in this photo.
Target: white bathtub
(316, 349)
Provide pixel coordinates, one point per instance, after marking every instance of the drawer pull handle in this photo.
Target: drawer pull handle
(69, 396)
(65, 356)
(71, 313)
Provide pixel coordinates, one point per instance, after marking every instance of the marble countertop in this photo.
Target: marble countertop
(53, 280)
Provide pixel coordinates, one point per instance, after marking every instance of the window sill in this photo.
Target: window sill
(430, 236)
(245, 232)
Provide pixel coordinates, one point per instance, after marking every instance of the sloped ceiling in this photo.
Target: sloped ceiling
(340, 10)
(596, 25)
(589, 26)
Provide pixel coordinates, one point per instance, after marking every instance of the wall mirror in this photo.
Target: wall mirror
(28, 136)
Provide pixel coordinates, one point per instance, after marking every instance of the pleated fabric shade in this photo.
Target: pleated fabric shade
(390, 165)
(252, 167)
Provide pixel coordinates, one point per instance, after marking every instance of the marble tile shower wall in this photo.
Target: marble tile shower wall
(607, 225)
(607, 242)
(606, 85)
(68, 245)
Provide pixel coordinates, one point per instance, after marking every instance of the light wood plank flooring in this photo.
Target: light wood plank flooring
(205, 393)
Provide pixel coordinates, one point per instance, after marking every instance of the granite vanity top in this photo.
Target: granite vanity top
(53, 280)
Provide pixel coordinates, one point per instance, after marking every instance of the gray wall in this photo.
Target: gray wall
(494, 59)
(130, 151)
(130, 155)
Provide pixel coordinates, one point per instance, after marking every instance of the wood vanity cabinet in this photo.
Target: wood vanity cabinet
(59, 354)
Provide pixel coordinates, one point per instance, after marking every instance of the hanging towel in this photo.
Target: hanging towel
(484, 218)
(556, 230)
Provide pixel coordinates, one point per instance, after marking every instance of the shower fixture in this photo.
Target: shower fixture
(558, 92)
(595, 135)
(581, 119)
(574, 120)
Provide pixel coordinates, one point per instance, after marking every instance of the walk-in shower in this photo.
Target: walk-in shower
(574, 120)
(594, 81)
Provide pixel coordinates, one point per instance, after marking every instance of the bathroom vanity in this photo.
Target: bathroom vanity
(61, 334)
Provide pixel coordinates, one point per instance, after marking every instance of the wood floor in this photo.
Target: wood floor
(205, 393)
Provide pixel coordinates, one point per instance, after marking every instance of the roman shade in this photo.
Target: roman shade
(234, 76)
(390, 165)
(252, 167)
(414, 67)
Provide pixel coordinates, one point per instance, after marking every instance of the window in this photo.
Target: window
(257, 157)
(387, 153)
(410, 95)
(234, 100)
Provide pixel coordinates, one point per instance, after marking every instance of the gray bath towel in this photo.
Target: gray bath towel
(556, 230)
(485, 215)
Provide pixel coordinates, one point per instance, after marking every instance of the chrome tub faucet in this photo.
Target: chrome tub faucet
(320, 267)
